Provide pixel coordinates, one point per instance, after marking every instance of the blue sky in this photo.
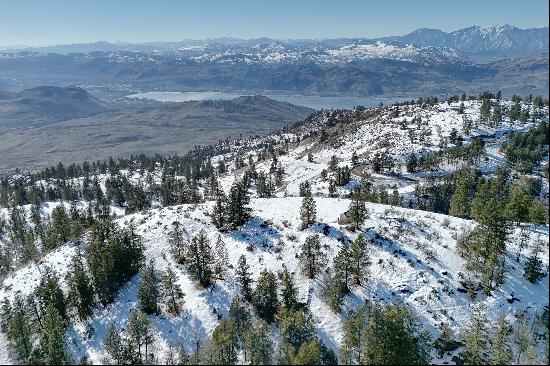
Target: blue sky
(38, 22)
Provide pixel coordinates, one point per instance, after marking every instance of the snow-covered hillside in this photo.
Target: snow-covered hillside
(413, 254)
(400, 271)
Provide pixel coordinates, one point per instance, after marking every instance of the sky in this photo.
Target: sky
(45, 22)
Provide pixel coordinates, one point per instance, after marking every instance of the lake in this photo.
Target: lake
(310, 101)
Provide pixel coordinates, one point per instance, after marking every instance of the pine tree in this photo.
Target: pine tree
(334, 292)
(304, 189)
(295, 329)
(412, 163)
(218, 213)
(258, 345)
(213, 189)
(333, 164)
(482, 251)
(242, 275)
(485, 112)
(178, 243)
(538, 212)
(114, 256)
(312, 259)
(237, 211)
(49, 293)
(357, 210)
(522, 340)
(497, 115)
(141, 333)
(28, 249)
(224, 346)
(60, 227)
(264, 297)
(460, 200)
(81, 295)
(487, 209)
(517, 207)
(200, 260)
(53, 346)
(391, 337)
(149, 291)
(309, 353)
(475, 338)
(289, 292)
(240, 316)
(534, 268)
(18, 328)
(501, 353)
(113, 345)
(485, 246)
(308, 211)
(359, 259)
(343, 268)
(171, 292)
(221, 257)
(331, 188)
(351, 352)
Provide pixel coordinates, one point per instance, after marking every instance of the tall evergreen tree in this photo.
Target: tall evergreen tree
(223, 348)
(522, 340)
(53, 344)
(343, 267)
(218, 213)
(309, 353)
(113, 345)
(359, 259)
(289, 292)
(295, 329)
(482, 251)
(314, 352)
(500, 350)
(178, 243)
(221, 257)
(49, 293)
(200, 260)
(149, 290)
(264, 297)
(538, 212)
(351, 352)
(462, 195)
(237, 210)
(114, 256)
(171, 291)
(240, 315)
(334, 292)
(81, 295)
(308, 212)
(392, 337)
(519, 202)
(357, 210)
(475, 338)
(258, 344)
(242, 274)
(312, 259)
(18, 328)
(534, 268)
(141, 334)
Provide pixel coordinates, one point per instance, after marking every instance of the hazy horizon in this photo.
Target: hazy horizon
(122, 42)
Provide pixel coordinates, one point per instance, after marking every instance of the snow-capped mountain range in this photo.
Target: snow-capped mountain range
(495, 40)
